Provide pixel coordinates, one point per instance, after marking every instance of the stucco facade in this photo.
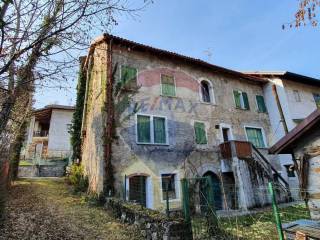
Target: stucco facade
(48, 133)
(293, 95)
(178, 155)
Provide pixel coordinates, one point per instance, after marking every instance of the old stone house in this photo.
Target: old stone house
(290, 98)
(48, 133)
(303, 143)
(194, 119)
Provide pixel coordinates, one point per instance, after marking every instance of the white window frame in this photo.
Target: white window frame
(152, 129)
(211, 92)
(296, 94)
(175, 85)
(206, 129)
(128, 65)
(263, 135)
(228, 126)
(176, 185)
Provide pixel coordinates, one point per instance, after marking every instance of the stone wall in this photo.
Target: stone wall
(42, 171)
(152, 224)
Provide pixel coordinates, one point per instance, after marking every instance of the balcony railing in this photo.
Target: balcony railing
(42, 133)
(240, 149)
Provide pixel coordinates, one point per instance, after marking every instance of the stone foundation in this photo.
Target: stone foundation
(152, 224)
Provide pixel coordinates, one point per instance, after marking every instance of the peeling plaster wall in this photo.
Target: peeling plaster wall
(93, 140)
(182, 155)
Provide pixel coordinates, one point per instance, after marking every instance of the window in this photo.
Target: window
(255, 136)
(151, 129)
(168, 182)
(261, 104)
(316, 97)
(129, 77)
(200, 132)
(168, 87)
(290, 170)
(206, 92)
(241, 99)
(296, 95)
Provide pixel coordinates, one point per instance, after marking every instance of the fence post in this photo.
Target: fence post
(125, 188)
(275, 212)
(185, 200)
(212, 210)
(167, 198)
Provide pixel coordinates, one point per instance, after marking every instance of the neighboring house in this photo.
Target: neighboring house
(290, 98)
(48, 133)
(303, 143)
(195, 119)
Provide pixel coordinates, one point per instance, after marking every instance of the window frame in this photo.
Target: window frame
(177, 186)
(175, 85)
(258, 104)
(152, 129)
(314, 98)
(241, 100)
(211, 92)
(205, 129)
(296, 93)
(137, 73)
(263, 135)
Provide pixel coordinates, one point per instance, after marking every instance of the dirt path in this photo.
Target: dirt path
(46, 209)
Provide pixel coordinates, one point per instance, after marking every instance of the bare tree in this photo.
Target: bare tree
(38, 39)
(307, 14)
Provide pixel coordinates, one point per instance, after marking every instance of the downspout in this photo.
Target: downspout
(109, 127)
(282, 118)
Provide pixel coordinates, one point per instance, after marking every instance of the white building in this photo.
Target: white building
(48, 133)
(290, 98)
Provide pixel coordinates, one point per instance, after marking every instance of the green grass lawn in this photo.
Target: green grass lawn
(253, 226)
(25, 163)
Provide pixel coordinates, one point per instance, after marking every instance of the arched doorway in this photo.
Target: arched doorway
(216, 191)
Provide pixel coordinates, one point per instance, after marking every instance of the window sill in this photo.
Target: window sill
(171, 200)
(153, 144)
(208, 103)
(243, 109)
(161, 95)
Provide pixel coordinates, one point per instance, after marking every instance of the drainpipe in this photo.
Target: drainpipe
(275, 93)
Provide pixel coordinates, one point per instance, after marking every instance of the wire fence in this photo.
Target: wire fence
(215, 210)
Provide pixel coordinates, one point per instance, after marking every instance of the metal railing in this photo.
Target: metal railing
(42, 133)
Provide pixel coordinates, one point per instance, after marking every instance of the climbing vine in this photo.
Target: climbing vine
(75, 130)
(118, 99)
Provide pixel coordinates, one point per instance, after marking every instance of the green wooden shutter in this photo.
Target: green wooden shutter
(261, 104)
(129, 77)
(255, 137)
(143, 129)
(168, 86)
(200, 133)
(159, 126)
(245, 101)
(237, 100)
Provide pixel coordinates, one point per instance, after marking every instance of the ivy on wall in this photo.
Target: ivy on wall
(75, 130)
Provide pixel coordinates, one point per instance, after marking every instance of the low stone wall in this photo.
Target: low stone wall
(152, 224)
(42, 171)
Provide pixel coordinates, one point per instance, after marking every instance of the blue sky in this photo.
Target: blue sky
(240, 34)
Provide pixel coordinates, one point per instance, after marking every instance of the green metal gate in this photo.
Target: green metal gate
(199, 207)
